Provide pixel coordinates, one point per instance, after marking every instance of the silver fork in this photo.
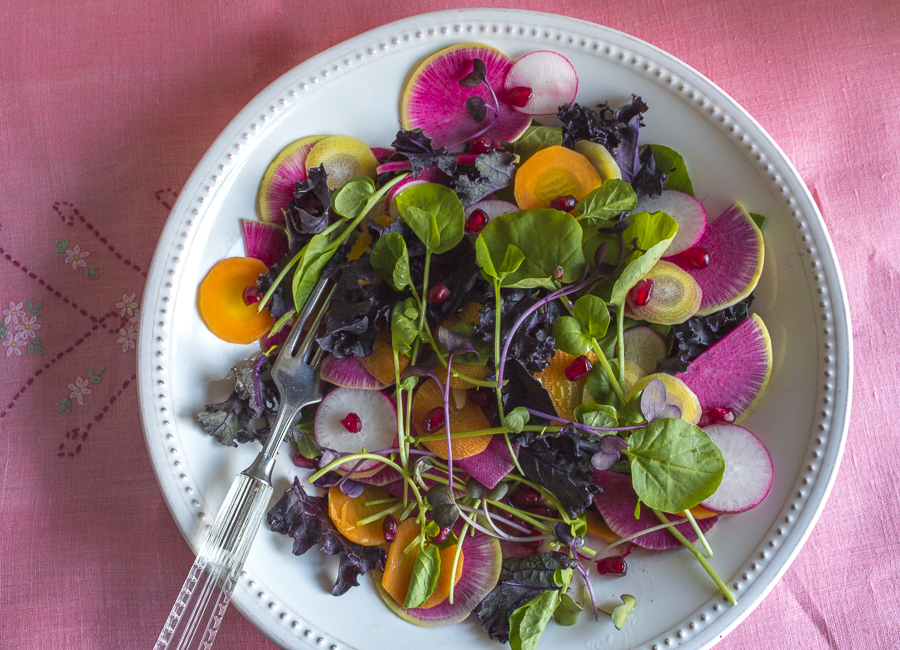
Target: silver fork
(198, 610)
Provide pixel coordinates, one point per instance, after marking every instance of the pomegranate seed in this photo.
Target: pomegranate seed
(641, 293)
(481, 145)
(389, 528)
(302, 461)
(578, 369)
(251, 295)
(525, 497)
(519, 96)
(476, 221)
(438, 294)
(697, 257)
(613, 566)
(442, 536)
(434, 420)
(564, 203)
(716, 416)
(352, 423)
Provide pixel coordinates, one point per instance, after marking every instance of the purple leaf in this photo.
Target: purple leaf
(653, 400)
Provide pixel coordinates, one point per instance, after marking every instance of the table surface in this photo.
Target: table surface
(105, 109)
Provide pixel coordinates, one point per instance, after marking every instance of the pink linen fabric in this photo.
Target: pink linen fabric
(105, 108)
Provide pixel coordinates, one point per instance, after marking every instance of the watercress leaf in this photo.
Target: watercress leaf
(563, 576)
(621, 612)
(760, 220)
(596, 415)
(353, 199)
(674, 465)
(527, 623)
(593, 315)
(408, 383)
(391, 259)
(435, 214)
(653, 233)
(535, 138)
(672, 164)
(548, 239)
(404, 329)
(424, 578)
(612, 198)
(306, 445)
(516, 419)
(566, 613)
(483, 259)
(569, 336)
(600, 389)
(511, 261)
(314, 257)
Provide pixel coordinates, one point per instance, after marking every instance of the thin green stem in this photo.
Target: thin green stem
(521, 515)
(404, 445)
(379, 515)
(617, 387)
(700, 535)
(652, 529)
(483, 432)
(620, 340)
(456, 554)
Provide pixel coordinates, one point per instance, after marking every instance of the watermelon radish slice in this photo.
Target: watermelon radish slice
(481, 570)
(385, 476)
(687, 211)
(276, 190)
(734, 372)
(265, 241)
(492, 208)
(644, 347)
(617, 503)
(348, 372)
(434, 101)
(491, 465)
(377, 420)
(544, 80)
(735, 248)
(748, 469)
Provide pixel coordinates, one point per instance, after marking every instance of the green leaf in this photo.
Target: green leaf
(535, 138)
(671, 162)
(674, 465)
(313, 257)
(596, 415)
(306, 445)
(549, 240)
(483, 259)
(435, 214)
(391, 259)
(621, 612)
(424, 577)
(62, 245)
(353, 198)
(593, 315)
(653, 232)
(566, 613)
(609, 200)
(569, 337)
(404, 329)
(516, 419)
(527, 623)
(511, 261)
(759, 220)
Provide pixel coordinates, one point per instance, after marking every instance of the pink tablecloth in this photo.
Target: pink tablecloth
(107, 106)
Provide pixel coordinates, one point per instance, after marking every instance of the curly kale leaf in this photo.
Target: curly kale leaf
(490, 172)
(308, 212)
(416, 148)
(253, 401)
(305, 519)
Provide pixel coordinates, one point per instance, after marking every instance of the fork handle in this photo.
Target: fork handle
(198, 610)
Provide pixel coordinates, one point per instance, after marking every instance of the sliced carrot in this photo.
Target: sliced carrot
(700, 512)
(428, 397)
(220, 301)
(346, 512)
(565, 394)
(596, 527)
(399, 567)
(380, 364)
(553, 172)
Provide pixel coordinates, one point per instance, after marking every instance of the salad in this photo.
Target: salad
(539, 348)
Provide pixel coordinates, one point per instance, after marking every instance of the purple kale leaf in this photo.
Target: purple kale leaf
(521, 581)
(305, 519)
(308, 212)
(415, 147)
(282, 300)
(456, 269)
(649, 180)
(490, 172)
(246, 414)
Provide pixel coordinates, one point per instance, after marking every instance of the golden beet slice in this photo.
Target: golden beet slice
(428, 397)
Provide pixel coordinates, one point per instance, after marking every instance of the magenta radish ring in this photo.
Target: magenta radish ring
(800, 297)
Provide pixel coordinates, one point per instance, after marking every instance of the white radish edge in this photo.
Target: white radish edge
(330, 433)
(551, 77)
(492, 208)
(748, 469)
(687, 211)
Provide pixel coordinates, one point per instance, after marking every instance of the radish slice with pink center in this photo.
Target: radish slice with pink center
(377, 414)
(276, 189)
(748, 469)
(549, 76)
(267, 242)
(735, 248)
(687, 211)
(492, 208)
(617, 503)
(434, 101)
(481, 570)
(348, 373)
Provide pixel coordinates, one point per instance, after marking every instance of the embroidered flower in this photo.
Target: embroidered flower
(128, 338)
(128, 305)
(136, 317)
(79, 390)
(25, 330)
(12, 345)
(11, 315)
(76, 257)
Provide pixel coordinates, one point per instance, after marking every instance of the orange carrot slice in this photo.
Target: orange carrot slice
(220, 301)
(399, 567)
(553, 172)
(380, 364)
(428, 397)
(346, 512)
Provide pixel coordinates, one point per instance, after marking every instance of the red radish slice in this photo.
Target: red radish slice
(481, 570)
(264, 241)
(276, 190)
(434, 101)
(378, 416)
(644, 347)
(492, 208)
(348, 373)
(617, 503)
(733, 373)
(748, 469)
(687, 211)
(491, 465)
(735, 248)
(549, 76)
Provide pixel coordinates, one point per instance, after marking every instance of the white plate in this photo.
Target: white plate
(354, 89)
